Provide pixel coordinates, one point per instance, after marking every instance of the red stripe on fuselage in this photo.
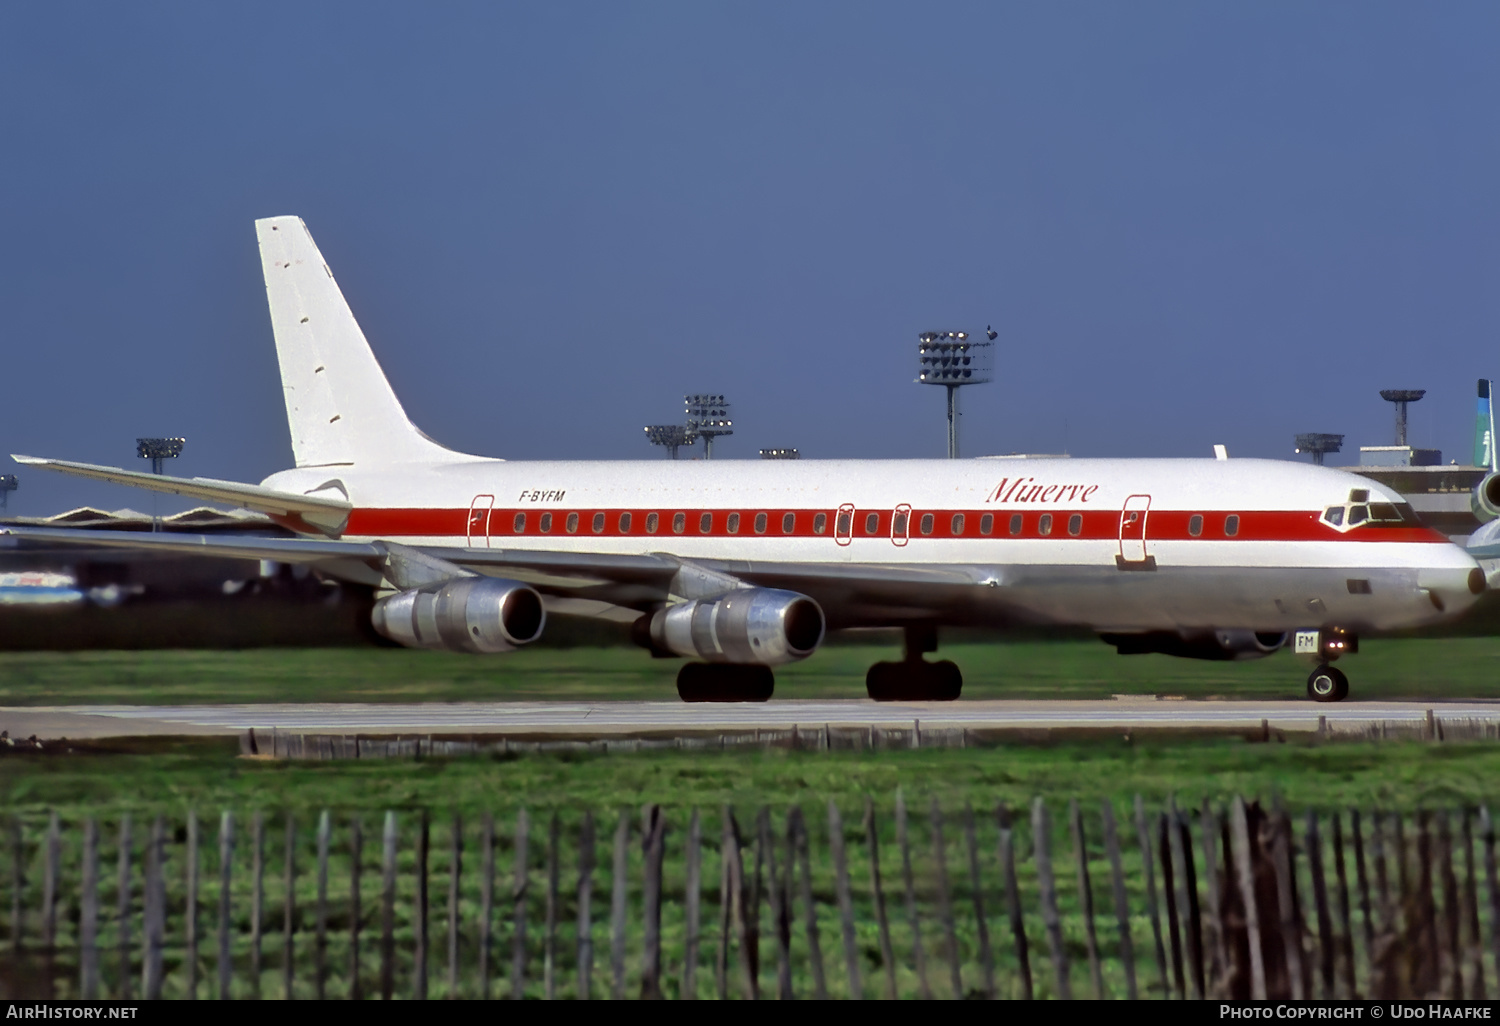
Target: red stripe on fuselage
(1161, 525)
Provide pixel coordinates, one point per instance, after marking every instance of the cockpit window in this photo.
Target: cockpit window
(1384, 511)
(1358, 514)
(1333, 516)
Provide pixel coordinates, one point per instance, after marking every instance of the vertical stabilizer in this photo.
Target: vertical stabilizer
(1484, 429)
(339, 405)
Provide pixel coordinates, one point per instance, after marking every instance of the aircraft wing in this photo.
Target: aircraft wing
(323, 512)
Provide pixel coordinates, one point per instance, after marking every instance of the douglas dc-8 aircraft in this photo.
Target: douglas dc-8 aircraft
(742, 566)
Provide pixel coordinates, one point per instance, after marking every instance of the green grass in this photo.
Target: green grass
(1386, 668)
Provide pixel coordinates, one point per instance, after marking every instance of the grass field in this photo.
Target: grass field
(1385, 668)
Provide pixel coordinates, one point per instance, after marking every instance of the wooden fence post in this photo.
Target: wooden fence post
(653, 830)
(1211, 829)
(17, 889)
(388, 908)
(257, 897)
(225, 960)
(51, 867)
(1424, 896)
(726, 907)
(549, 952)
(780, 915)
(1121, 901)
(455, 894)
(1086, 897)
(1143, 840)
(88, 915)
(845, 900)
(1345, 918)
(155, 913)
(1167, 850)
(1492, 881)
(585, 907)
(419, 917)
(1013, 898)
(1191, 910)
(320, 912)
(750, 915)
(124, 908)
(945, 901)
(519, 892)
(739, 916)
(190, 909)
(618, 896)
(919, 955)
(356, 857)
(1286, 902)
(797, 828)
(1362, 885)
(882, 918)
(1475, 945)
(1326, 946)
(692, 909)
(1041, 842)
(1451, 947)
(1239, 829)
(976, 889)
(289, 909)
(486, 901)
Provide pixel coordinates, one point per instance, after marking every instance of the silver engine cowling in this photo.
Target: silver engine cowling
(759, 626)
(1486, 500)
(471, 614)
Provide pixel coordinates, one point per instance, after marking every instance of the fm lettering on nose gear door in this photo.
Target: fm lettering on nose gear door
(1133, 554)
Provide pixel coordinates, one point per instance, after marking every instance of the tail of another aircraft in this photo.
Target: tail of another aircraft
(1484, 429)
(339, 405)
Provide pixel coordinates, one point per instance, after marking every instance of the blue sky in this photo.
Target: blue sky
(1190, 222)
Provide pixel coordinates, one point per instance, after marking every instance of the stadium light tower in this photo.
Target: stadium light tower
(953, 359)
(707, 418)
(669, 436)
(780, 454)
(7, 485)
(158, 449)
(1318, 444)
(1401, 396)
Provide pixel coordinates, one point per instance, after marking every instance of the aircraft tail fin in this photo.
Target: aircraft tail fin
(1484, 429)
(339, 405)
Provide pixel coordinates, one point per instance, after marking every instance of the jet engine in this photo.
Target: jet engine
(750, 626)
(470, 614)
(1486, 500)
(1218, 645)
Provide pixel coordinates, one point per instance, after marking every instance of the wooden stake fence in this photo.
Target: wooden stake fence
(1257, 903)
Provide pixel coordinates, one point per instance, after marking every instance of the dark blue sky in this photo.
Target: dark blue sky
(1191, 223)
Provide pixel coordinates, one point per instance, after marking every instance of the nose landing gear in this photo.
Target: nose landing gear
(1325, 684)
(912, 679)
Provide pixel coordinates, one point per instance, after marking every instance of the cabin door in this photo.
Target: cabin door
(479, 521)
(1133, 546)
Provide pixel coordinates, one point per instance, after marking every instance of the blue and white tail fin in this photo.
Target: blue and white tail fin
(1484, 428)
(339, 405)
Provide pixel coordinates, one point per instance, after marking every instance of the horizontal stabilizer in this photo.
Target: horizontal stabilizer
(326, 513)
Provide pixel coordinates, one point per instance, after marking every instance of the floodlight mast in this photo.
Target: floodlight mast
(1401, 396)
(8, 484)
(707, 418)
(952, 359)
(669, 436)
(158, 449)
(1318, 443)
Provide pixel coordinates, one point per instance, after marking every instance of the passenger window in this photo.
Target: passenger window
(956, 525)
(572, 523)
(987, 523)
(1195, 524)
(732, 525)
(1358, 515)
(598, 523)
(651, 522)
(760, 523)
(519, 524)
(872, 523)
(898, 524)
(926, 523)
(1015, 523)
(546, 523)
(1075, 524)
(788, 522)
(820, 523)
(1232, 524)
(1044, 527)
(1334, 516)
(679, 523)
(625, 523)
(705, 523)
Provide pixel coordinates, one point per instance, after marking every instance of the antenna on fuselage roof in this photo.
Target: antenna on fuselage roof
(1221, 452)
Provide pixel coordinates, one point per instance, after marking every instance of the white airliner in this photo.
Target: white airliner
(742, 566)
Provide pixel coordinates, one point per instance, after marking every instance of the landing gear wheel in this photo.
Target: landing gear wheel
(1327, 684)
(724, 682)
(913, 681)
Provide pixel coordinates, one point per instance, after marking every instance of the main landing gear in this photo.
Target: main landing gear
(724, 682)
(912, 679)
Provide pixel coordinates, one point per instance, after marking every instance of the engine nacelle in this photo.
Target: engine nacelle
(1486, 500)
(751, 626)
(1217, 645)
(471, 614)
